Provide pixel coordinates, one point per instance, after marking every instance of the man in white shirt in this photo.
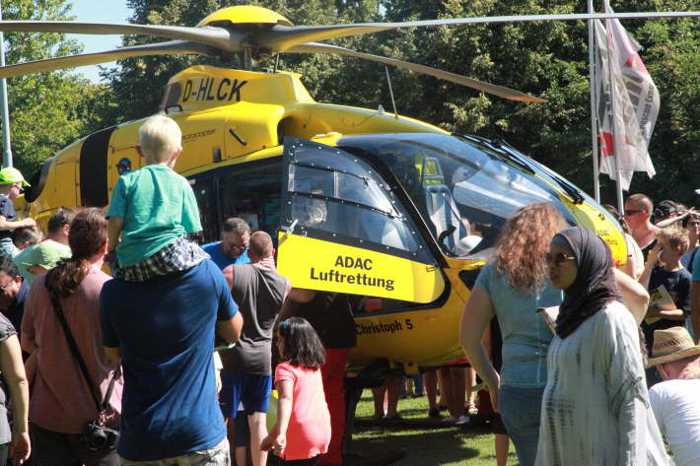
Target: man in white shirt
(675, 401)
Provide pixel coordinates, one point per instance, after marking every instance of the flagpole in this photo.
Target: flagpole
(594, 100)
(7, 148)
(616, 148)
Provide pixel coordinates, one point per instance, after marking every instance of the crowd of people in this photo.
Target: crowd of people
(171, 359)
(579, 330)
(121, 369)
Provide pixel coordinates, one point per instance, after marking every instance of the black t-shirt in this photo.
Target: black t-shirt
(677, 283)
(7, 210)
(330, 314)
(15, 311)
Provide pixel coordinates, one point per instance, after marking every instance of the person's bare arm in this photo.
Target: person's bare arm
(670, 221)
(277, 439)
(228, 275)
(114, 231)
(634, 295)
(230, 329)
(287, 290)
(114, 355)
(12, 368)
(672, 314)
(295, 296)
(37, 269)
(301, 296)
(652, 260)
(476, 317)
(6, 224)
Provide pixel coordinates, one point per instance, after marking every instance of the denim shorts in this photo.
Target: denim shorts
(252, 390)
(520, 410)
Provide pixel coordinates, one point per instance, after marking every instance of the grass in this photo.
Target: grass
(429, 446)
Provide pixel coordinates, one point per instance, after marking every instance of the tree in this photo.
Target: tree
(47, 110)
(548, 59)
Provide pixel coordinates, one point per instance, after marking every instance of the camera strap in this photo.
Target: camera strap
(58, 309)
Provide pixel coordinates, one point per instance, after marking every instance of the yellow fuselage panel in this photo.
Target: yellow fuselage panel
(355, 270)
(423, 337)
(203, 87)
(589, 217)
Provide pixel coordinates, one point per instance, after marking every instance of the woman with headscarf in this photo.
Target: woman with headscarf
(595, 408)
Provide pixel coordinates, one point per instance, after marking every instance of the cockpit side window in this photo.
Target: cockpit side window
(344, 198)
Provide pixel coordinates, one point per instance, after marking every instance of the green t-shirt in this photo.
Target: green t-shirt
(157, 206)
(46, 254)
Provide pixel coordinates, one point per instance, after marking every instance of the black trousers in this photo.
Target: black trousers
(51, 448)
(277, 461)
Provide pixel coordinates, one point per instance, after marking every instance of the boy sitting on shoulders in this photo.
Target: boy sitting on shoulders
(153, 209)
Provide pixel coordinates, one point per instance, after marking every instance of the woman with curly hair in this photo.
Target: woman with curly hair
(512, 287)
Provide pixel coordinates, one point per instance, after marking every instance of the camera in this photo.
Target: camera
(98, 438)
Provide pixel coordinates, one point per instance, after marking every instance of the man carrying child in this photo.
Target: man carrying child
(160, 313)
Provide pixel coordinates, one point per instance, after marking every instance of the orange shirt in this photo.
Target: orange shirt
(309, 431)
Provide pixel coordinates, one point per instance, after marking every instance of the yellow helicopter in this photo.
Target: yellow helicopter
(362, 201)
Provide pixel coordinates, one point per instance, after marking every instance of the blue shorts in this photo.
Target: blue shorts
(251, 390)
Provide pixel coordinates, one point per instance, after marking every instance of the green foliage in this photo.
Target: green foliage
(48, 110)
(545, 59)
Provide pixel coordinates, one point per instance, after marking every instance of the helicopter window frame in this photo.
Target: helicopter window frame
(219, 175)
(209, 218)
(411, 211)
(422, 253)
(252, 169)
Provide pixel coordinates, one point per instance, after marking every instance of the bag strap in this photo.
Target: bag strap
(58, 309)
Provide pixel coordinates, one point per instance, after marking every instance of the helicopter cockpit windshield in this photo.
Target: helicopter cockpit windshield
(464, 189)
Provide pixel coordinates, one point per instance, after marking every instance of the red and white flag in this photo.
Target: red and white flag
(625, 125)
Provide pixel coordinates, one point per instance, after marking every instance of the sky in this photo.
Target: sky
(93, 10)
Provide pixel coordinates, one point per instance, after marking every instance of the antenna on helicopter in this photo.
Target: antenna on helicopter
(391, 91)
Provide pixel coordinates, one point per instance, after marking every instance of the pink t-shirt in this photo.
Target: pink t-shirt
(60, 399)
(309, 431)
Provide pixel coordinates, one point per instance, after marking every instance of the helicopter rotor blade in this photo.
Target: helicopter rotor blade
(175, 47)
(500, 91)
(280, 38)
(212, 36)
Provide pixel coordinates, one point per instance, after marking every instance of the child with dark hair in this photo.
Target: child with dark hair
(303, 428)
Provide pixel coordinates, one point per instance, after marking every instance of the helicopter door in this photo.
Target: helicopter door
(344, 230)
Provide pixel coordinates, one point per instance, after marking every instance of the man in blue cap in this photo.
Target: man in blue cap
(11, 184)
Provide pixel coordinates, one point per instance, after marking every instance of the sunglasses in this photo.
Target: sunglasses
(630, 212)
(558, 258)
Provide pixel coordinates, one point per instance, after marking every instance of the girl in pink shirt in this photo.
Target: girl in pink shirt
(303, 428)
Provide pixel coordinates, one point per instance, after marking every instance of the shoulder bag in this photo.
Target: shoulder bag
(96, 436)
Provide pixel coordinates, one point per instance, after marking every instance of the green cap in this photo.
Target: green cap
(10, 175)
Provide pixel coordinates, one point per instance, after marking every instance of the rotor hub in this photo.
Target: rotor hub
(246, 14)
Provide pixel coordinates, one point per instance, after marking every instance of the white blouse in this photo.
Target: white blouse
(595, 409)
